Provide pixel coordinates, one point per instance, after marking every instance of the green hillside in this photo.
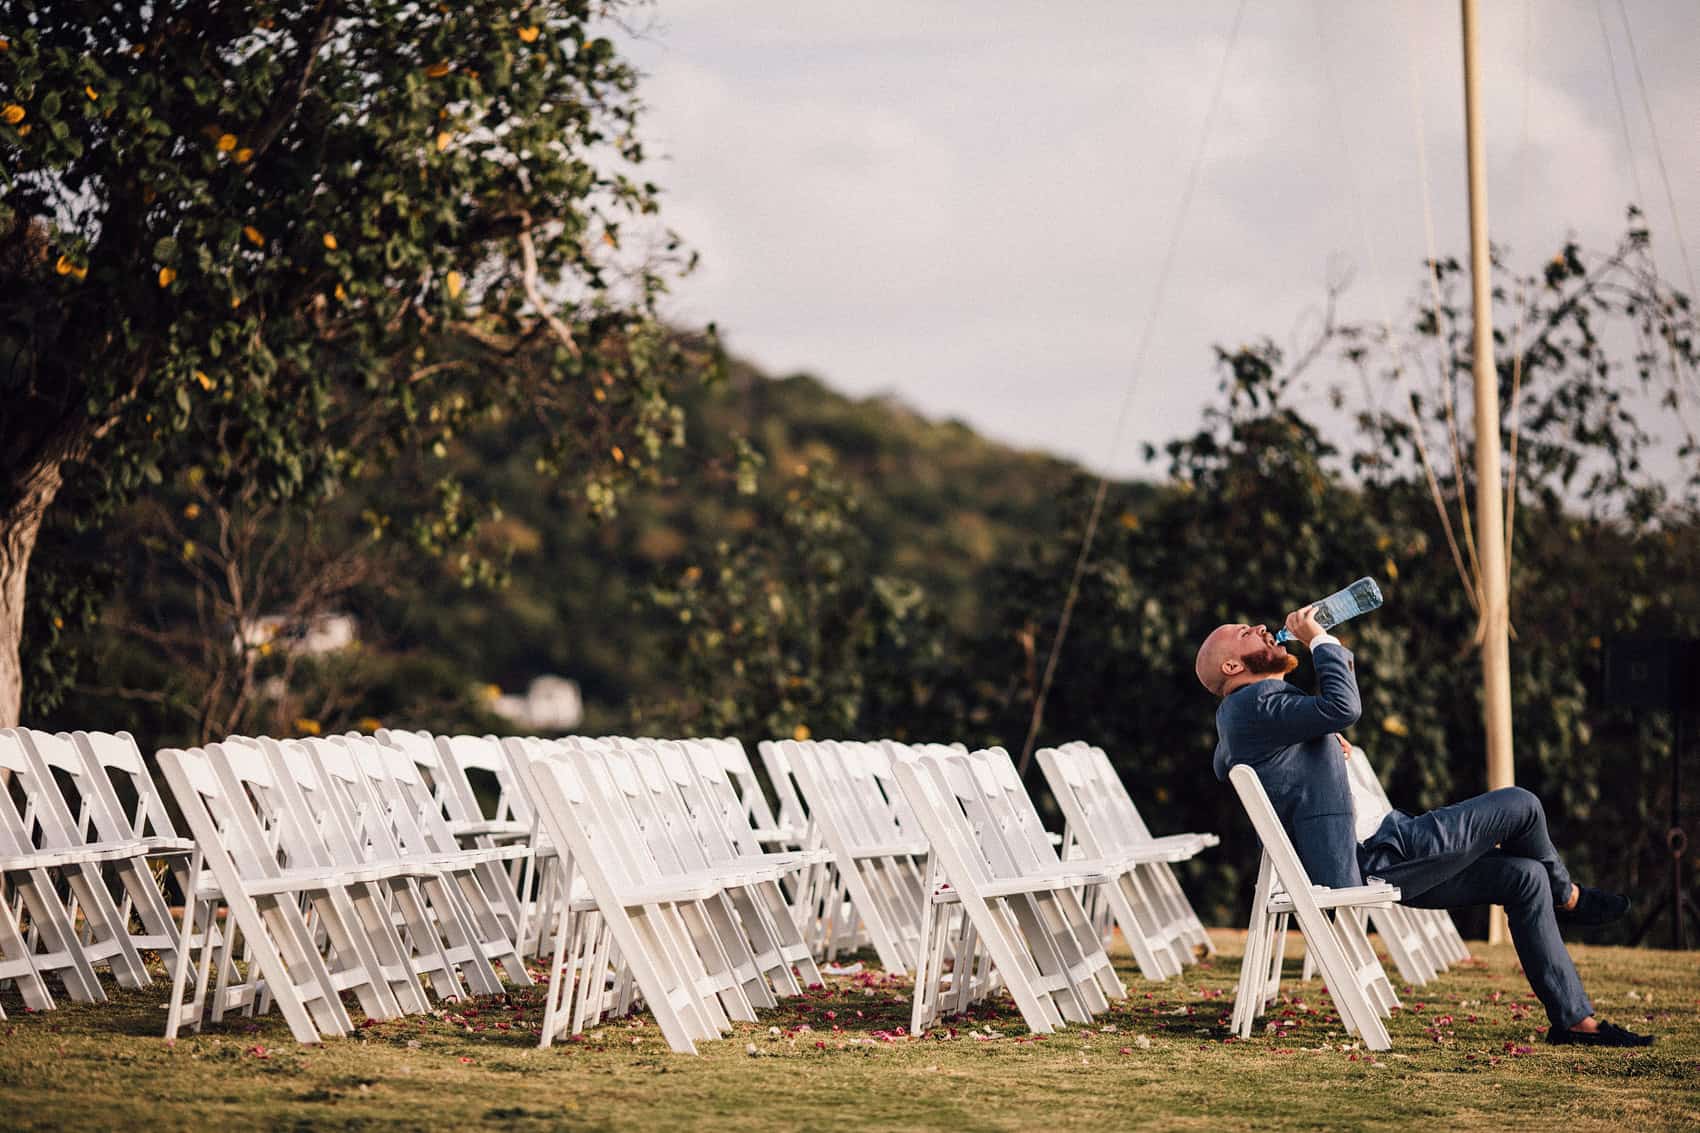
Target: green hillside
(937, 504)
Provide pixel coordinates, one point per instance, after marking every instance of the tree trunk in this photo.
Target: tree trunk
(20, 523)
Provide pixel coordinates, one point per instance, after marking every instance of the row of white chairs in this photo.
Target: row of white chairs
(368, 866)
(646, 871)
(80, 867)
(944, 869)
(686, 908)
(650, 898)
(337, 873)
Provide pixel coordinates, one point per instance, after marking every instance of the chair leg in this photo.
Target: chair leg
(12, 943)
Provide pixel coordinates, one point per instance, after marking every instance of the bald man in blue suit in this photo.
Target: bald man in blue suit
(1492, 849)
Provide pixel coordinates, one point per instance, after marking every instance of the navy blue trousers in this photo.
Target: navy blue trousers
(1492, 849)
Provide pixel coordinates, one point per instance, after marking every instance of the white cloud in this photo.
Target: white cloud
(966, 203)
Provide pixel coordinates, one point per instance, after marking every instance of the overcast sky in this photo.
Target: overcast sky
(966, 204)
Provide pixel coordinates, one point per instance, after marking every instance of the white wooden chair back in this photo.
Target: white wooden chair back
(1116, 803)
(729, 753)
(452, 794)
(1023, 814)
(18, 837)
(65, 806)
(1339, 951)
(484, 754)
(719, 794)
(113, 761)
(793, 811)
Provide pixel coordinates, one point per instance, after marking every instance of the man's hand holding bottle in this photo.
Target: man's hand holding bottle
(1302, 624)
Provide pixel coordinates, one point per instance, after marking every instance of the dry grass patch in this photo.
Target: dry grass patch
(1466, 1055)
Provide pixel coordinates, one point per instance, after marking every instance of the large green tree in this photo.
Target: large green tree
(281, 243)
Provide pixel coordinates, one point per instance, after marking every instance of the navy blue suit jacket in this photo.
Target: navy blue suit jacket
(1288, 738)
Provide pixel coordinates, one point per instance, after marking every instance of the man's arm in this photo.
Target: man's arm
(1290, 717)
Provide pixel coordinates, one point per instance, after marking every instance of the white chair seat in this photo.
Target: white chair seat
(475, 855)
(313, 880)
(914, 849)
(492, 828)
(1146, 901)
(784, 861)
(1326, 898)
(92, 853)
(1069, 879)
(160, 847)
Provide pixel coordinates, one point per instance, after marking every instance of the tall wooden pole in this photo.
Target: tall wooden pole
(1490, 514)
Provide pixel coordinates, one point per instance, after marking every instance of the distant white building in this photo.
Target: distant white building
(320, 633)
(550, 704)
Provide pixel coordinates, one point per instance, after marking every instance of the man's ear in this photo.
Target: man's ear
(1233, 666)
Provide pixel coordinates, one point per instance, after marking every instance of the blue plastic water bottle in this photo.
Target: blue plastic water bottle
(1360, 597)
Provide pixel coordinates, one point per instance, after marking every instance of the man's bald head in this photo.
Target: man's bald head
(1217, 648)
(1234, 652)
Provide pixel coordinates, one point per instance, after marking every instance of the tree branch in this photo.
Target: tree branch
(528, 280)
(295, 89)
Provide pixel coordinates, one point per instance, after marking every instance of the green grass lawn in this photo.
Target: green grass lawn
(1467, 1053)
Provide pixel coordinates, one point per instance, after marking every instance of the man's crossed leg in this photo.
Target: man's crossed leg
(1495, 849)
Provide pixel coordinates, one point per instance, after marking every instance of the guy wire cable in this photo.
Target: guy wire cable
(1664, 174)
(1395, 341)
(1096, 512)
(1635, 168)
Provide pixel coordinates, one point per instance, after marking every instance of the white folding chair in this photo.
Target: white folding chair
(759, 815)
(587, 979)
(757, 975)
(1024, 909)
(343, 907)
(423, 837)
(1343, 954)
(113, 770)
(836, 927)
(791, 822)
(727, 842)
(264, 901)
(507, 821)
(1146, 900)
(877, 860)
(407, 906)
(50, 944)
(640, 909)
(47, 826)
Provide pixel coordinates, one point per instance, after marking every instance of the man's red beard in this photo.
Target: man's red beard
(1272, 659)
